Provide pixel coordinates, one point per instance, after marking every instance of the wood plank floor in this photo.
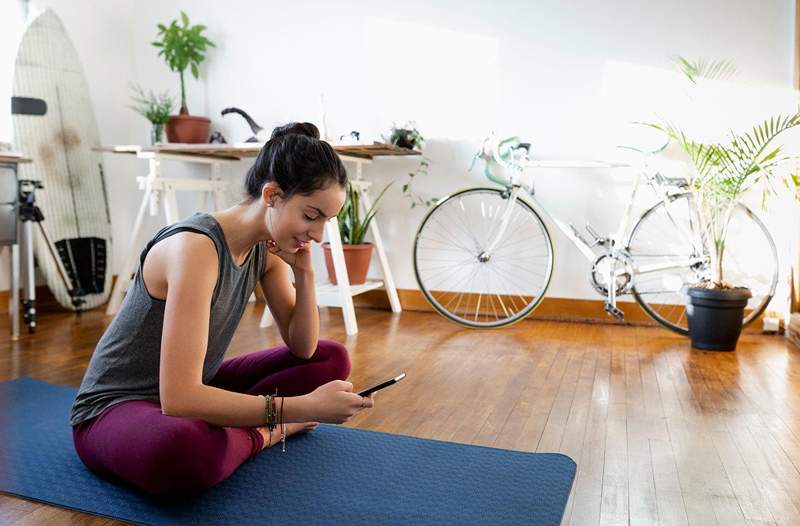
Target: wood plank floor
(662, 434)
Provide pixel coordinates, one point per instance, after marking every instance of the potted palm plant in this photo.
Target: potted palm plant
(353, 229)
(183, 46)
(723, 173)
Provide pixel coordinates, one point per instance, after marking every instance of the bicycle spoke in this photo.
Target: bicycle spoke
(503, 277)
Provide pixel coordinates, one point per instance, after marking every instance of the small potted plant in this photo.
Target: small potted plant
(407, 136)
(155, 107)
(183, 46)
(723, 173)
(352, 229)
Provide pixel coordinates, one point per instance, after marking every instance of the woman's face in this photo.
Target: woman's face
(300, 219)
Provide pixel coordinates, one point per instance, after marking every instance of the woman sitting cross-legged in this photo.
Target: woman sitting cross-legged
(158, 407)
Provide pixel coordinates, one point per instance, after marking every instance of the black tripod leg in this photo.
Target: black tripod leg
(29, 285)
(61, 271)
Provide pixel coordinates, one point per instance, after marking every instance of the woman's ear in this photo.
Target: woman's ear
(270, 192)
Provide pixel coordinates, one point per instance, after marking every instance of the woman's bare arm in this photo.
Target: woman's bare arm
(294, 307)
(189, 263)
(183, 269)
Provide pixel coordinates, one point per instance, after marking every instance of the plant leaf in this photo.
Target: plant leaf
(702, 68)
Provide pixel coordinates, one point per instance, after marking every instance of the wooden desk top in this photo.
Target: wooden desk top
(245, 150)
(13, 159)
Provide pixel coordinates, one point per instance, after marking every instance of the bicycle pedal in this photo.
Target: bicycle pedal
(614, 311)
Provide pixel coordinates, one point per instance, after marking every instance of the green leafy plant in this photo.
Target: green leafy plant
(182, 46)
(406, 136)
(352, 225)
(155, 107)
(416, 199)
(724, 172)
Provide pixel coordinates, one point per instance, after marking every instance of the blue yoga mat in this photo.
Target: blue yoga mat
(333, 475)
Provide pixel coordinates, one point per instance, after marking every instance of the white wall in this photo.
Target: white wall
(541, 69)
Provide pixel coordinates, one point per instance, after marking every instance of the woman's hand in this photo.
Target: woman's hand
(300, 261)
(335, 402)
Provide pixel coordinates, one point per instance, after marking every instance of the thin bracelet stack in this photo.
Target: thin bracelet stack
(274, 418)
(283, 428)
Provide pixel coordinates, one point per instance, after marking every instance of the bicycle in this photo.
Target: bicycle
(484, 257)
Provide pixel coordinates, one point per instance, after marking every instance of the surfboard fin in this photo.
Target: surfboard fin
(84, 259)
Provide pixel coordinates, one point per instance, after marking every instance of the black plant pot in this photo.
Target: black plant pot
(715, 317)
(403, 139)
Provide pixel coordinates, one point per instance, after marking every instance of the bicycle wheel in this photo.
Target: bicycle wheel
(662, 236)
(460, 281)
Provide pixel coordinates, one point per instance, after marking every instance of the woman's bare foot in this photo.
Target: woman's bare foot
(291, 429)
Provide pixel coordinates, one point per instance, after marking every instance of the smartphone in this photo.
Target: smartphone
(378, 387)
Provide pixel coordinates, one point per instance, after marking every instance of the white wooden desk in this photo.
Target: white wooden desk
(158, 189)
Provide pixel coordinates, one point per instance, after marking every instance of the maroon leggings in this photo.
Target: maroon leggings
(135, 442)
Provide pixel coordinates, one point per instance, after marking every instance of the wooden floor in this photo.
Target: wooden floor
(662, 434)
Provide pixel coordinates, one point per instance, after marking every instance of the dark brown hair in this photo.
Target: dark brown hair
(297, 160)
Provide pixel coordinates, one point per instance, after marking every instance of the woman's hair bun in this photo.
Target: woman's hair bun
(297, 160)
(296, 128)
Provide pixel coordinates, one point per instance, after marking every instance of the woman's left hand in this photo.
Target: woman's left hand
(300, 261)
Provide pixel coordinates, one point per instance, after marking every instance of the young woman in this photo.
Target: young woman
(158, 407)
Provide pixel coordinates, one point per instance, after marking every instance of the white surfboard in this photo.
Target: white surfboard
(74, 200)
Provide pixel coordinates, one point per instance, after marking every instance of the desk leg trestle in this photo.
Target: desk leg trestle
(13, 297)
(131, 254)
(342, 279)
(216, 193)
(170, 204)
(388, 280)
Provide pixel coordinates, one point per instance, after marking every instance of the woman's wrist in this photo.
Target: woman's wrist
(303, 278)
(296, 409)
(303, 274)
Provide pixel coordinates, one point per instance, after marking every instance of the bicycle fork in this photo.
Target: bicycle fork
(509, 208)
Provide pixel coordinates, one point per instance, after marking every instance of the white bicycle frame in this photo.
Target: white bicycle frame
(521, 183)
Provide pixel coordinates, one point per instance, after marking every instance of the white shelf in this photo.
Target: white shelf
(328, 294)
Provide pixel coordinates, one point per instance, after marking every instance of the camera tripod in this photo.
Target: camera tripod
(29, 213)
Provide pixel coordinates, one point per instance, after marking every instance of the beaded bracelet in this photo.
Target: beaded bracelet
(269, 411)
(283, 428)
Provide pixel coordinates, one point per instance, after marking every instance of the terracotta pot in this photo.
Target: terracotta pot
(356, 260)
(188, 129)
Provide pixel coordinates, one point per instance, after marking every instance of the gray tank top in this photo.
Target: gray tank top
(125, 363)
